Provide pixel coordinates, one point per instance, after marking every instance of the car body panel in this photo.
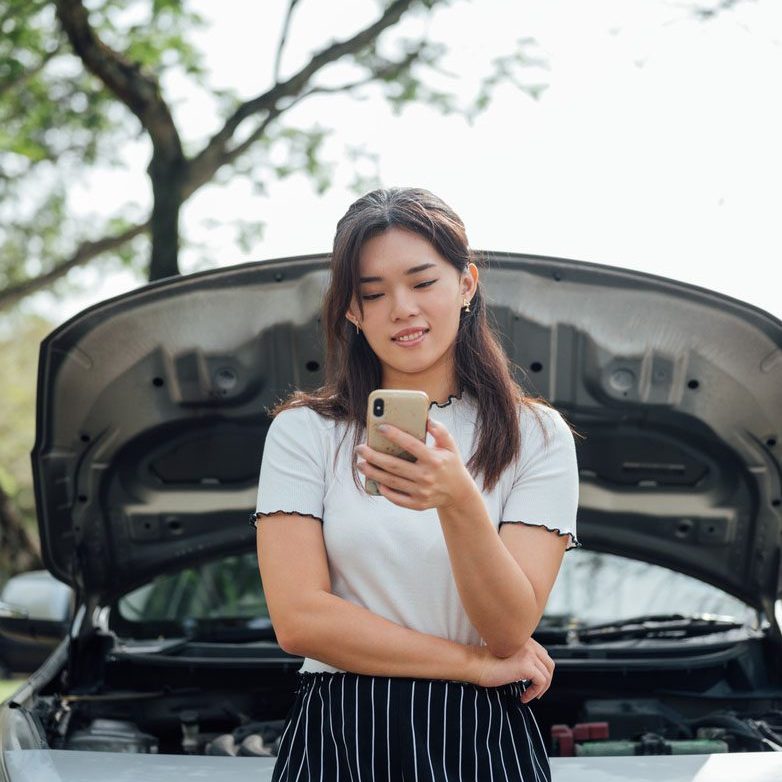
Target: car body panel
(80, 766)
(151, 420)
(152, 415)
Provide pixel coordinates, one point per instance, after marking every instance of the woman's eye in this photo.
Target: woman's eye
(371, 296)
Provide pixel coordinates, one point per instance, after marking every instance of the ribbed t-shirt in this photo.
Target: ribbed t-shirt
(393, 560)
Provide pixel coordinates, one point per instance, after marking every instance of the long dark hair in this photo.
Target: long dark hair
(353, 370)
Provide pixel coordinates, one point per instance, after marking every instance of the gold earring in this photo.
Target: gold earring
(466, 305)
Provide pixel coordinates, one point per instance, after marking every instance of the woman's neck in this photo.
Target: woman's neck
(438, 389)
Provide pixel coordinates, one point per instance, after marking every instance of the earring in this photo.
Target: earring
(466, 305)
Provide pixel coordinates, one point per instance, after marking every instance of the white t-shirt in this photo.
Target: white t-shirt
(393, 560)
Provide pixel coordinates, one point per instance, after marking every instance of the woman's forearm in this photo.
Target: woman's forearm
(496, 594)
(352, 638)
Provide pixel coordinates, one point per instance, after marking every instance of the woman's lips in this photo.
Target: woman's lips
(409, 343)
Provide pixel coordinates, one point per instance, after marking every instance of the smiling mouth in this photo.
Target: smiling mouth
(413, 337)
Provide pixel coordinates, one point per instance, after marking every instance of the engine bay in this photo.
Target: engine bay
(196, 698)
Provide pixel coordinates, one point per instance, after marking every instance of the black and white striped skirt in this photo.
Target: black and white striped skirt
(345, 726)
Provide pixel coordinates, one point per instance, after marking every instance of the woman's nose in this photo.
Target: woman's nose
(403, 306)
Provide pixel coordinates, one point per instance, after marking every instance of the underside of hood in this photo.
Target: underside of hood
(151, 415)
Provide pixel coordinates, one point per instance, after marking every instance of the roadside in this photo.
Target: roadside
(7, 686)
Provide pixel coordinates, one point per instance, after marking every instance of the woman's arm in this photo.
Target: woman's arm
(310, 621)
(503, 580)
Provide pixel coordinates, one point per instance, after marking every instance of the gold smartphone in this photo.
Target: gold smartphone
(407, 410)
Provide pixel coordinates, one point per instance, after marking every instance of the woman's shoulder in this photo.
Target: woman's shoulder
(302, 416)
(540, 409)
(542, 422)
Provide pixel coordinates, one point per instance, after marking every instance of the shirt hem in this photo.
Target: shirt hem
(573, 539)
(255, 517)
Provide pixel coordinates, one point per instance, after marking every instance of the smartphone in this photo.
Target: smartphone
(407, 410)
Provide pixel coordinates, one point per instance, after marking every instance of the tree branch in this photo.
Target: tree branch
(386, 73)
(85, 252)
(212, 155)
(25, 76)
(199, 177)
(283, 38)
(139, 91)
(324, 57)
(202, 169)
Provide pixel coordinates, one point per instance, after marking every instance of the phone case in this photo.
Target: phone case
(407, 410)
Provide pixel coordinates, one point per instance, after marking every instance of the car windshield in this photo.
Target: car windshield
(227, 588)
(591, 587)
(594, 588)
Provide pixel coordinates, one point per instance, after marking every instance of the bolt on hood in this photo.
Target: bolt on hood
(151, 415)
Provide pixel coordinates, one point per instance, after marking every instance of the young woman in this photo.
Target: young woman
(413, 610)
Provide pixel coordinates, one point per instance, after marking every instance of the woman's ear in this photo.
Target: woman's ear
(352, 317)
(470, 281)
(353, 314)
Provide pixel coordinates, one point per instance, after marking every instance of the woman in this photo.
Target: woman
(413, 610)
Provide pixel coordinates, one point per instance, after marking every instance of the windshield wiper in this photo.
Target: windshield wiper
(664, 626)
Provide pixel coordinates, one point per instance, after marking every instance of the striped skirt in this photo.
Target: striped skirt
(345, 726)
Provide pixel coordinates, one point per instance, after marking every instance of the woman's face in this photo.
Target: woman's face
(407, 287)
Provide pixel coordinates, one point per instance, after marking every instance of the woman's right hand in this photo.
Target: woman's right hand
(530, 662)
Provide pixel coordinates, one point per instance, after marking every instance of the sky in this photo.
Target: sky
(654, 146)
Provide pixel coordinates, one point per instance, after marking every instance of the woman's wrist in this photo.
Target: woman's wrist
(464, 505)
(475, 662)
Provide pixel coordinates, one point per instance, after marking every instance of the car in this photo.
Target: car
(49, 602)
(664, 625)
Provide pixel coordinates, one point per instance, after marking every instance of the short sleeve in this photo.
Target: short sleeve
(292, 476)
(545, 486)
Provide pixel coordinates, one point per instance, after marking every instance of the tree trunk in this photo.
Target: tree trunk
(167, 175)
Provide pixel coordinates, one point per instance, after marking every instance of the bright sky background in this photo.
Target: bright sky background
(655, 146)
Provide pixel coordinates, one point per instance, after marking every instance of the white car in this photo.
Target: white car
(665, 626)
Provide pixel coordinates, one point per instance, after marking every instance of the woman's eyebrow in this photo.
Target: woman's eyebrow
(413, 270)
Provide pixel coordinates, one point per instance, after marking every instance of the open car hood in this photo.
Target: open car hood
(151, 415)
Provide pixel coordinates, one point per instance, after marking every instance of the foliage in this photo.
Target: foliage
(510, 68)
(19, 359)
(58, 123)
(64, 116)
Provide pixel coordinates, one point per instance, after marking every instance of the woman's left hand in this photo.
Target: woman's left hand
(437, 479)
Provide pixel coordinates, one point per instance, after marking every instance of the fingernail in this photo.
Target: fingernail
(382, 428)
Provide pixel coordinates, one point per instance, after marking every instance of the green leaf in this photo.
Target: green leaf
(59, 123)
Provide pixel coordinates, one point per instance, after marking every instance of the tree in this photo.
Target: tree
(81, 78)
(54, 114)
(19, 549)
(56, 122)
(61, 114)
